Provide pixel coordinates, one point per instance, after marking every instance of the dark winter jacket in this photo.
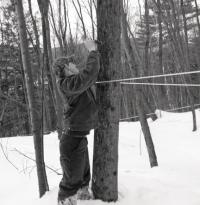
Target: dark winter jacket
(80, 111)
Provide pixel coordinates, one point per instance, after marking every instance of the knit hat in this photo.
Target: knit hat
(59, 65)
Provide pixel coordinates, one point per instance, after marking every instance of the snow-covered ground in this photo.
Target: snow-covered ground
(175, 182)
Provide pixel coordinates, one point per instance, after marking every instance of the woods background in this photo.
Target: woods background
(165, 37)
(153, 38)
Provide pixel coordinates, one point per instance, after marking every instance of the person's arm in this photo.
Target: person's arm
(78, 83)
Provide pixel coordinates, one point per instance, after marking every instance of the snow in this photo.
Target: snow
(176, 181)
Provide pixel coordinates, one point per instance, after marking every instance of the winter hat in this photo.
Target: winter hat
(59, 65)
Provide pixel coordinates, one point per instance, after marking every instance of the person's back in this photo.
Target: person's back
(80, 116)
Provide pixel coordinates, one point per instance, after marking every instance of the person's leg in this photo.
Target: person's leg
(84, 193)
(87, 175)
(72, 158)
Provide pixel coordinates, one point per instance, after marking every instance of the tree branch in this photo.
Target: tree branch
(21, 153)
(6, 156)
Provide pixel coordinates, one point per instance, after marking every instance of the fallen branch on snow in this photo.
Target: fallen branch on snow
(21, 153)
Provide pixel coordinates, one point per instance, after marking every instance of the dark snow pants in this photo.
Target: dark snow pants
(75, 165)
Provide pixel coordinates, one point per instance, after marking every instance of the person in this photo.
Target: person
(80, 116)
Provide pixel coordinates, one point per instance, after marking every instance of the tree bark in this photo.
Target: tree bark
(35, 119)
(105, 161)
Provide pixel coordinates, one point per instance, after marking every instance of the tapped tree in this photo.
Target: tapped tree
(105, 159)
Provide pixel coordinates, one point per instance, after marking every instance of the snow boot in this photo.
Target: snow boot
(84, 194)
(72, 200)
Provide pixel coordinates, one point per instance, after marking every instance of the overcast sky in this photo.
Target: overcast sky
(133, 11)
(72, 13)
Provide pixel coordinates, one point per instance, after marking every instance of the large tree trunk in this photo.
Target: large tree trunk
(35, 119)
(138, 92)
(105, 161)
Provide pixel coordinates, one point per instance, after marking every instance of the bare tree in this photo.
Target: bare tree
(60, 28)
(44, 8)
(147, 43)
(161, 90)
(79, 11)
(197, 15)
(186, 46)
(148, 107)
(41, 69)
(135, 67)
(35, 119)
(171, 21)
(57, 106)
(146, 59)
(89, 8)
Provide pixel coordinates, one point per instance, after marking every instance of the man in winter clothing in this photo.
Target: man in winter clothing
(80, 116)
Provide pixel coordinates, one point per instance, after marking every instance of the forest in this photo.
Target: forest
(149, 57)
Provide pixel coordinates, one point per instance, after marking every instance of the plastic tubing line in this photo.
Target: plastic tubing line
(148, 77)
(162, 84)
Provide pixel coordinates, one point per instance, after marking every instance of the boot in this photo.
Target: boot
(84, 194)
(72, 200)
